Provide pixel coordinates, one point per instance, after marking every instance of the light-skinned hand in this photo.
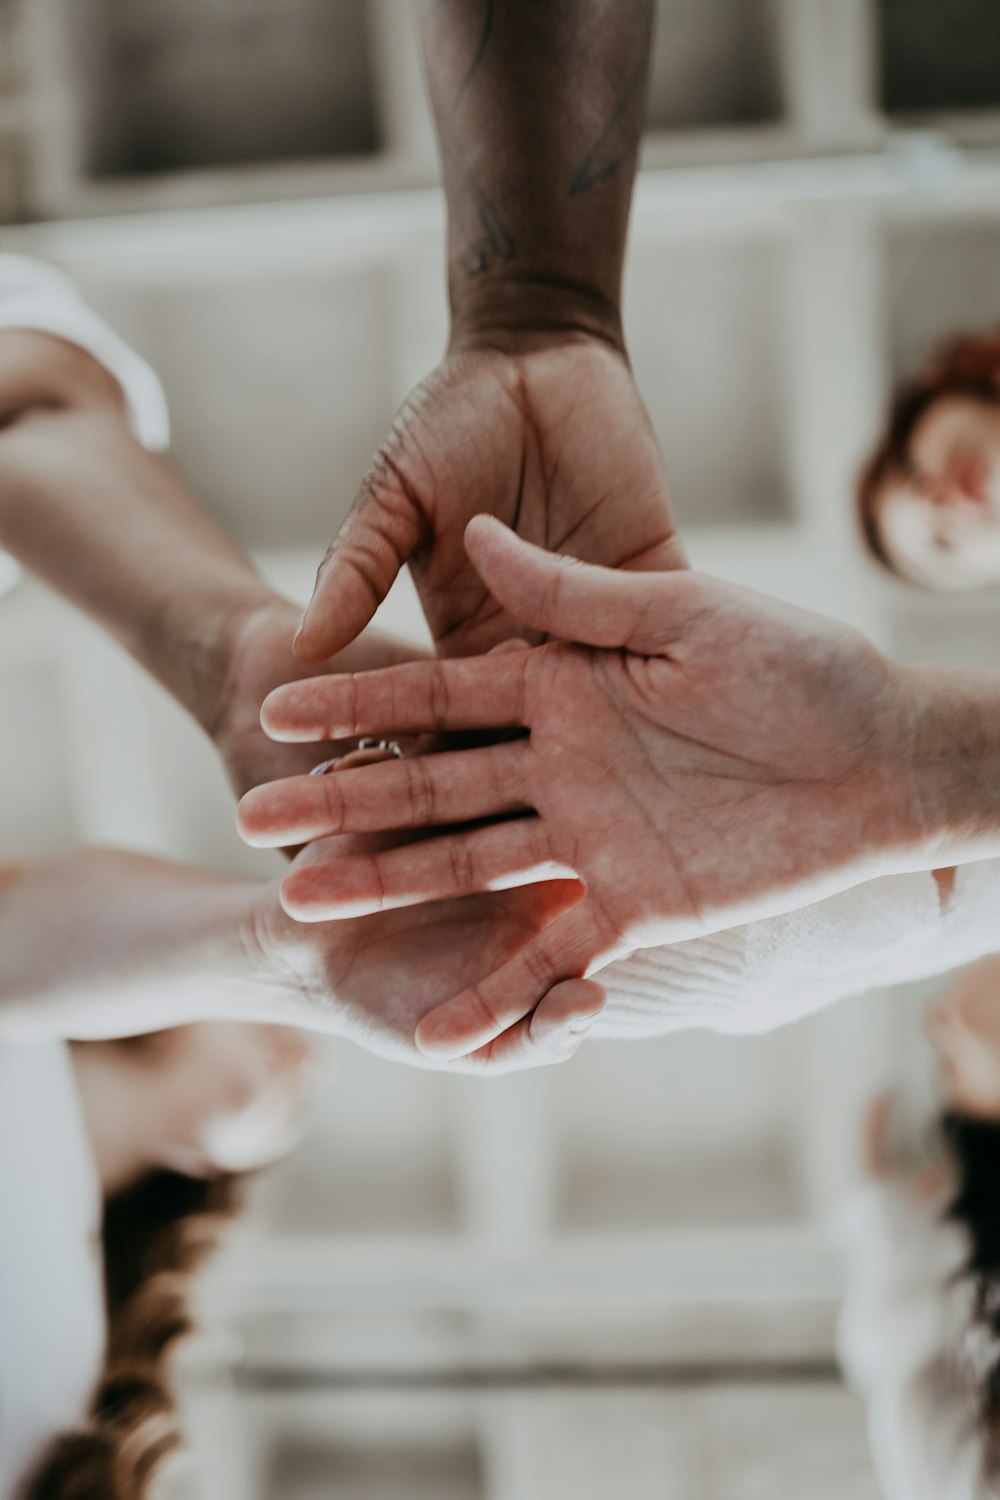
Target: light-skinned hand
(372, 980)
(706, 757)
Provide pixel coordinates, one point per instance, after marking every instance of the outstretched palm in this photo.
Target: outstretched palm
(728, 759)
(555, 442)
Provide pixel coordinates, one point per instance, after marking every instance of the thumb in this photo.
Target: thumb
(360, 566)
(573, 600)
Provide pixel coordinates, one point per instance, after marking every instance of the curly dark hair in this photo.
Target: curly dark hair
(966, 365)
(155, 1235)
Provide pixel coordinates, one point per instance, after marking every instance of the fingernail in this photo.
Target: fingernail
(574, 1032)
(582, 1026)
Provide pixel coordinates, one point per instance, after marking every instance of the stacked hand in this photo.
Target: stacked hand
(567, 456)
(374, 979)
(703, 758)
(554, 441)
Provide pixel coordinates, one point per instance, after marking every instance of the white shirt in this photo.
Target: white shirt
(36, 296)
(766, 974)
(52, 1319)
(911, 1347)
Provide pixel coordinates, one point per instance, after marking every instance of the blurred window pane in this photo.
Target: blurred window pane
(939, 56)
(172, 84)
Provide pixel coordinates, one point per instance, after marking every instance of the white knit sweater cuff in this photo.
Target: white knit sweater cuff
(765, 974)
(656, 990)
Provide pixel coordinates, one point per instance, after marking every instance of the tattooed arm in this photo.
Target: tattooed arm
(539, 112)
(533, 414)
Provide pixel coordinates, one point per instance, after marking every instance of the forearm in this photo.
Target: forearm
(115, 531)
(955, 766)
(99, 943)
(539, 111)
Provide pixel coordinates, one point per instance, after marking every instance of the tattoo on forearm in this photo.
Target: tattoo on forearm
(619, 137)
(481, 236)
(484, 41)
(485, 239)
(495, 244)
(477, 223)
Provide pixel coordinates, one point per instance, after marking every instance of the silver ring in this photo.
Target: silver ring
(326, 765)
(388, 747)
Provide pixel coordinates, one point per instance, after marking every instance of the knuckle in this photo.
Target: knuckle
(333, 803)
(421, 790)
(377, 879)
(538, 842)
(510, 777)
(439, 695)
(538, 965)
(463, 865)
(352, 704)
(484, 1008)
(364, 564)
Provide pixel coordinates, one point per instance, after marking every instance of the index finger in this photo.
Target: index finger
(486, 692)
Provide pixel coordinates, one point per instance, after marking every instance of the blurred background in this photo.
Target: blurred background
(617, 1276)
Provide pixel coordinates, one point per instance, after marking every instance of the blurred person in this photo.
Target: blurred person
(929, 496)
(120, 1164)
(90, 503)
(920, 1327)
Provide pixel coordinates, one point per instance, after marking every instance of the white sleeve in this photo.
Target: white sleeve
(765, 974)
(38, 297)
(904, 1338)
(52, 1325)
(901, 1258)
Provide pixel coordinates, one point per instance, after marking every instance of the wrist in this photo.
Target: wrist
(520, 313)
(293, 975)
(207, 643)
(238, 974)
(955, 765)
